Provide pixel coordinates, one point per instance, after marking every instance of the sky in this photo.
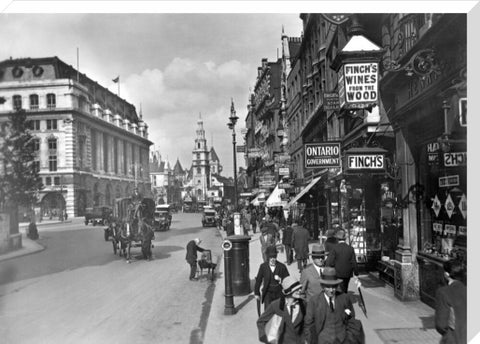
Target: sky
(174, 66)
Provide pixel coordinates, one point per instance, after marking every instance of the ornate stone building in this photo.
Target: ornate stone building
(92, 148)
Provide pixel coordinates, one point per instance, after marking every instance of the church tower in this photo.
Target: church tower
(200, 163)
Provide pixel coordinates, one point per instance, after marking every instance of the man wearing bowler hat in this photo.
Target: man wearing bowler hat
(271, 274)
(328, 312)
(342, 257)
(310, 277)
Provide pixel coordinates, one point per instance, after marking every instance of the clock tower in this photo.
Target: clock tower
(200, 163)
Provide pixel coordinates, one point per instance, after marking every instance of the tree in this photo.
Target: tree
(19, 178)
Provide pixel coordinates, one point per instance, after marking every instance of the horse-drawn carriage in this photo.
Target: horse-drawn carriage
(132, 225)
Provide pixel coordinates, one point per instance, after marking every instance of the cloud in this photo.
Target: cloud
(172, 100)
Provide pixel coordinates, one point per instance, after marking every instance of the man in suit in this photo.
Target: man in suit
(328, 312)
(271, 275)
(310, 277)
(191, 258)
(291, 308)
(287, 242)
(451, 305)
(300, 239)
(331, 241)
(342, 257)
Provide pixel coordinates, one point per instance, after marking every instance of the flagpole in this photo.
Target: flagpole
(119, 86)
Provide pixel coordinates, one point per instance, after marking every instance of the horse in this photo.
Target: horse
(136, 228)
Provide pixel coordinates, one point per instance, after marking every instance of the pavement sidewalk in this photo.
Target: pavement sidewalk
(29, 246)
(389, 319)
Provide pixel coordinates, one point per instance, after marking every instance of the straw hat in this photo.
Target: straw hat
(318, 251)
(329, 277)
(290, 285)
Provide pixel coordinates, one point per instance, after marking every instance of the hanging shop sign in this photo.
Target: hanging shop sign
(331, 101)
(284, 186)
(358, 85)
(454, 159)
(448, 181)
(240, 149)
(255, 153)
(322, 155)
(365, 162)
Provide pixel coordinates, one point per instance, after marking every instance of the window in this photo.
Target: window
(36, 166)
(199, 171)
(51, 124)
(34, 124)
(17, 102)
(52, 144)
(51, 101)
(52, 163)
(34, 102)
(56, 181)
(36, 145)
(48, 181)
(198, 156)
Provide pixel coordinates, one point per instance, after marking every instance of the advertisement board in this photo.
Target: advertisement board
(360, 83)
(322, 155)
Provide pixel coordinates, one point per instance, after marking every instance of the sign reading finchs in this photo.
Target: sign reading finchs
(365, 162)
(359, 84)
(322, 155)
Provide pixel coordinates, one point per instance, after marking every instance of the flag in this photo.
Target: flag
(117, 79)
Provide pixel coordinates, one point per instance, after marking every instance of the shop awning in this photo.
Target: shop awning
(275, 199)
(259, 199)
(304, 191)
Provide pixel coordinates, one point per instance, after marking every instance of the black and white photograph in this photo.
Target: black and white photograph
(210, 172)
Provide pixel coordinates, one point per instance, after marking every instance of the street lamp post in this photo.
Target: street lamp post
(231, 125)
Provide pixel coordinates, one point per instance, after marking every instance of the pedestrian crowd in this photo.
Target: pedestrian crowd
(315, 309)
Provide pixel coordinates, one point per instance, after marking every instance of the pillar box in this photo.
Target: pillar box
(239, 264)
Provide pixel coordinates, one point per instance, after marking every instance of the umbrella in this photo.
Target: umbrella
(361, 302)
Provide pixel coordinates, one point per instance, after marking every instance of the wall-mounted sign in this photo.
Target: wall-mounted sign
(284, 186)
(449, 206)
(322, 155)
(240, 149)
(462, 205)
(454, 159)
(448, 181)
(331, 101)
(462, 111)
(255, 153)
(436, 205)
(284, 171)
(366, 162)
(462, 230)
(360, 84)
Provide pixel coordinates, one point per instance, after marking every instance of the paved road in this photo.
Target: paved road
(78, 291)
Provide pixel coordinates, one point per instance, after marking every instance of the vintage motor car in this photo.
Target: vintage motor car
(162, 218)
(209, 217)
(98, 215)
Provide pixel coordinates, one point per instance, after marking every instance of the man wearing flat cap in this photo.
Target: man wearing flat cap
(271, 274)
(291, 308)
(342, 257)
(310, 277)
(328, 312)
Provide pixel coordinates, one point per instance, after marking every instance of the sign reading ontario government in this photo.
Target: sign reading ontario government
(322, 155)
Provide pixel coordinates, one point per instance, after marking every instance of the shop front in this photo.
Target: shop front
(428, 112)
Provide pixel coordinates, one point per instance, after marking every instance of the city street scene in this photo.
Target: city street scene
(227, 178)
